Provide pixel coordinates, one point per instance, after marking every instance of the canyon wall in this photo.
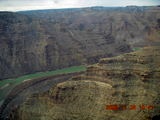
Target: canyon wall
(32, 41)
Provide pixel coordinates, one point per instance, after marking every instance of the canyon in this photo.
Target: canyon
(116, 49)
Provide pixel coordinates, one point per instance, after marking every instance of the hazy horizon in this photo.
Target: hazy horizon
(22, 5)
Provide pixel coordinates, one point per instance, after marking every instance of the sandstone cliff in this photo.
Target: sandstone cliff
(34, 41)
(129, 79)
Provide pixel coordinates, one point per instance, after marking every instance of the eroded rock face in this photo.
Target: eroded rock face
(129, 79)
(46, 40)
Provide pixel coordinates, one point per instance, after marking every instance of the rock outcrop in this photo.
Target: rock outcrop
(127, 80)
(34, 41)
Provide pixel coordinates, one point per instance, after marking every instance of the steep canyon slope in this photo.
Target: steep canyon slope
(32, 41)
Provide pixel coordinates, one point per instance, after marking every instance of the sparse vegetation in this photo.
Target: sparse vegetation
(7, 85)
(136, 48)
